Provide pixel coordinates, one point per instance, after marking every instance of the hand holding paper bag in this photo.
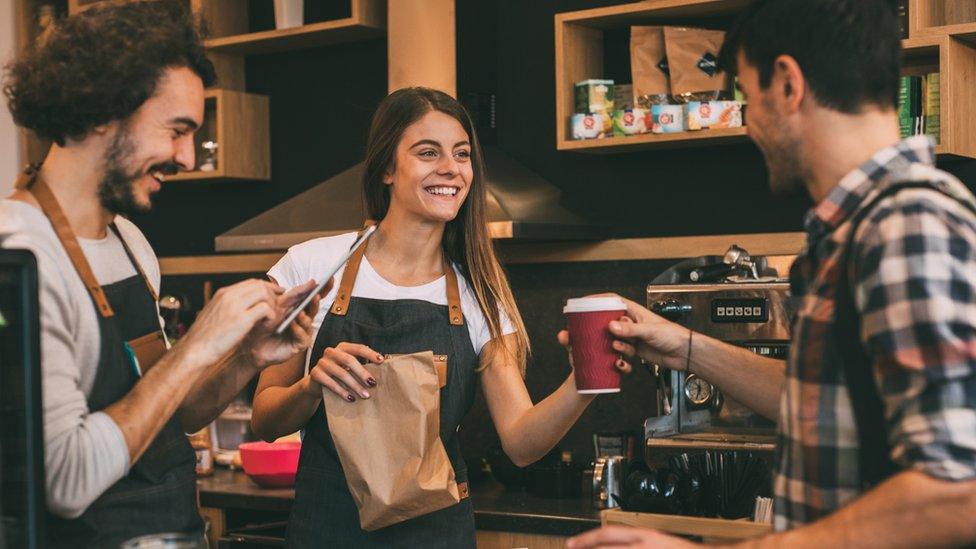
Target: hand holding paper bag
(389, 445)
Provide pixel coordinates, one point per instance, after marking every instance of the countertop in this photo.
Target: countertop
(494, 507)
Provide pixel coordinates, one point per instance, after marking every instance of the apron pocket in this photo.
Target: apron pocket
(440, 364)
(389, 445)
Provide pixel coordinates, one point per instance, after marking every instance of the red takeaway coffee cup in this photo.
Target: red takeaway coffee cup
(588, 319)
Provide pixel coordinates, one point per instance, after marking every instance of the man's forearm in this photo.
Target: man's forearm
(744, 376)
(144, 410)
(911, 509)
(215, 389)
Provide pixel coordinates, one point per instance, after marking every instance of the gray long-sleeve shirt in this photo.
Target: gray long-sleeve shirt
(85, 452)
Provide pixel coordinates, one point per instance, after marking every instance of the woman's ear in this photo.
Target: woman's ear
(388, 178)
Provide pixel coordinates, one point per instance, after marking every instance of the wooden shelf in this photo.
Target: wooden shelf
(942, 17)
(579, 55)
(368, 21)
(700, 138)
(712, 530)
(781, 248)
(962, 31)
(943, 38)
(955, 61)
(239, 123)
(217, 264)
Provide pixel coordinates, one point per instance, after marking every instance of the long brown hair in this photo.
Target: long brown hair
(466, 241)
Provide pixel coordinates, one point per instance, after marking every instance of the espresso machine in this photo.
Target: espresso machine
(734, 298)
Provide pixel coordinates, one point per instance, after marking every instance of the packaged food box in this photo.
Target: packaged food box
(714, 114)
(623, 97)
(594, 96)
(667, 118)
(593, 125)
(631, 122)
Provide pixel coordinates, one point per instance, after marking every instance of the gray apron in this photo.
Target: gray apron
(159, 493)
(324, 513)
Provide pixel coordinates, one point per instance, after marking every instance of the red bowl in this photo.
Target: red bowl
(271, 464)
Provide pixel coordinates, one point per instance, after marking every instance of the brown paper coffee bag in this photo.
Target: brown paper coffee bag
(390, 446)
(693, 62)
(649, 66)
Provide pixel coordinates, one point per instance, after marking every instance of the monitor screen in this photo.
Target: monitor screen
(22, 503)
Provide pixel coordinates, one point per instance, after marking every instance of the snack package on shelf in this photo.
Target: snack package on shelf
(594, 96)
(631, 122)
(693, 64)
(714, 114)
(591, 126)
(623, 97)
(667, 118)
(649, 67)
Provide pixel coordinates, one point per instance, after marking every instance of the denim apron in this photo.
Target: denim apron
(159, 493)
(324, 513)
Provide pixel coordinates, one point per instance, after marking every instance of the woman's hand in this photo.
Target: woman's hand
(340, 371)
(621, 347)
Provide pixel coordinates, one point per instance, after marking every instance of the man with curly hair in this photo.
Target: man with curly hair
(119, 91)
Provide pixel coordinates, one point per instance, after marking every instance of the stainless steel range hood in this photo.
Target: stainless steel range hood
(522, 206)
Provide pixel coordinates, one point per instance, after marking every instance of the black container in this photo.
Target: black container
(556, 476)
(512, 477)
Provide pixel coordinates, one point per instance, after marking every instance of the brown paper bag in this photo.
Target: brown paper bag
(390, 445)
(693, 62)
(649, 66)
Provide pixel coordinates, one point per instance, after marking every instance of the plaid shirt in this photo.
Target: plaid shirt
(915, 266)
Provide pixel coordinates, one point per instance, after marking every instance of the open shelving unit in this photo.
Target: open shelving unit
(942, 39)
(238, 121)
(955, 61)
(240, 125)
(580, 55)
(955, 18)
(368, 21)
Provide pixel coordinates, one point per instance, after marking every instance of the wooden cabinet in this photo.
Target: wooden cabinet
(942, 17)
(580, 40)
(942, 39)
(239, 122)
(955, 61)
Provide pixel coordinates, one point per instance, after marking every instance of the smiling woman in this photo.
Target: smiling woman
(426, 284)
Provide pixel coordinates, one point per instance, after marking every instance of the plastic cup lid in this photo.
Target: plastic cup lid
(590, 304)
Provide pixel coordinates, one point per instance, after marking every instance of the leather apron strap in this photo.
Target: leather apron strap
(52, 210)
(344, 293)
(148, 348)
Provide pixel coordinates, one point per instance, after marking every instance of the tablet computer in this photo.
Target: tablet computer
(293, 313)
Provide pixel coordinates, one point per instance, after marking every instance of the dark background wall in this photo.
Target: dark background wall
(321, 101)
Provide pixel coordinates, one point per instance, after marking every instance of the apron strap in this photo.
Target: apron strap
(34, 183)
(454, 313)
(135, 263)
(344, 293)
(341, 304)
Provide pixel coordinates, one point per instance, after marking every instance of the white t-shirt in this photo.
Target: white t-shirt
(311, 260)
(84, 452)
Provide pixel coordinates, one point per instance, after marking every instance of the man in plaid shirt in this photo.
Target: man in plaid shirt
(821, 78)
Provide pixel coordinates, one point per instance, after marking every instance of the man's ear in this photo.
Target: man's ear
(788, 83)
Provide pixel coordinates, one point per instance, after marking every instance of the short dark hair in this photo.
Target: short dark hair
(849, 50)
(101, 65)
